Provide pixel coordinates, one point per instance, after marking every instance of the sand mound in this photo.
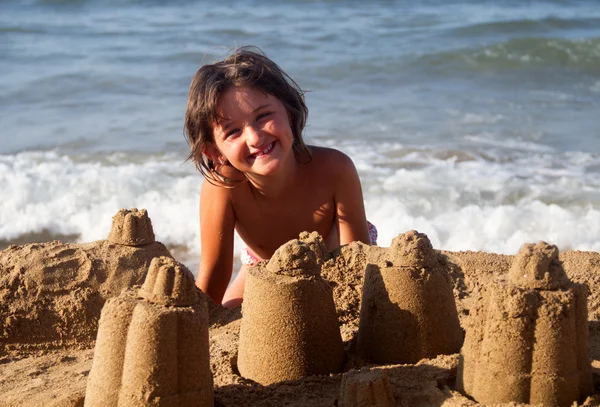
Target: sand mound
(51, 294)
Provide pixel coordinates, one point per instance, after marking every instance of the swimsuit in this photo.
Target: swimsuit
(249, 258)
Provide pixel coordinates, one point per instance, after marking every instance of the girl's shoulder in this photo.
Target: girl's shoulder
(215, 193)
(330, 159)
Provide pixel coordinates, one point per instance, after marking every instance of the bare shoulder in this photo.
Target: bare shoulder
(212, 191)
(332, 160)
(215, 198)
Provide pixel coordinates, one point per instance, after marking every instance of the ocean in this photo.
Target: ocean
(475, 122)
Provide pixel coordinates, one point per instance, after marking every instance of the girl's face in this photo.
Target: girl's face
(254, 134)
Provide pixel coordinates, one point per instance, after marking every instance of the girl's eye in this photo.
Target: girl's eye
(263, 115)
(231, 133)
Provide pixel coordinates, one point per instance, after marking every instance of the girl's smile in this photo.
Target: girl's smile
(263, 153)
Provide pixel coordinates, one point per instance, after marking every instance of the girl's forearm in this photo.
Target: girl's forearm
(213, 284)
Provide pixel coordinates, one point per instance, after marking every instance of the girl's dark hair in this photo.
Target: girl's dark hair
(246, 66)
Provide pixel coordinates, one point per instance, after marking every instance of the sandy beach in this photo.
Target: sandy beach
(52, 294)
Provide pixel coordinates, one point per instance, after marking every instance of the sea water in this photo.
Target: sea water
(475, 122)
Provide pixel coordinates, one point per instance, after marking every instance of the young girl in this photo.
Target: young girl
(244, 123)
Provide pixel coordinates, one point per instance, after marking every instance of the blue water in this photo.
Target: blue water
(475, 122)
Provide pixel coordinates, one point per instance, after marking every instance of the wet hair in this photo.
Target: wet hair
(246, 66)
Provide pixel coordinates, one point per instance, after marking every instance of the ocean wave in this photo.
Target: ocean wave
(553, 55)
(21, 29)
(526, 26)
(538, 52)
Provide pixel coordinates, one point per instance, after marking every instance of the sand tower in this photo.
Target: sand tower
(408, 311)
(289, 328)
(131, 227)
(366, 389)
(152, 344)
(527, 336)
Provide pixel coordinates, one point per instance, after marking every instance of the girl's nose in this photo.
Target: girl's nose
(253, 136)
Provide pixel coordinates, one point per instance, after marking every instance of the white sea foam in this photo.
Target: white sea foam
(50, 191)
(492, 140)
(500, 229)
(490, 206)
(461, 205)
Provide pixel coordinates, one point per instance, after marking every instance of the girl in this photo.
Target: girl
(244, 123)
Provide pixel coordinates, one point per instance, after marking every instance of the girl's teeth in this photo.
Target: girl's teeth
(266, 150)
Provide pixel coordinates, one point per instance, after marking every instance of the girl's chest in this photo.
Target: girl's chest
(266, 225)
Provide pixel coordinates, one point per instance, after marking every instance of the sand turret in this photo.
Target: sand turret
(152, 344)
(317, 245)
(289, 328)
(408, 311)
(366, 388)
(131, 227)
(527, 337)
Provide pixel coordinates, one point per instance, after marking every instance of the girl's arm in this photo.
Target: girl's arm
(217, 223)
(351, 221)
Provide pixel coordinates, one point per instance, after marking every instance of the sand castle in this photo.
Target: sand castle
(527, 337)
(408, 311)
(289, 328)
(152, 344)
(51, 295)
